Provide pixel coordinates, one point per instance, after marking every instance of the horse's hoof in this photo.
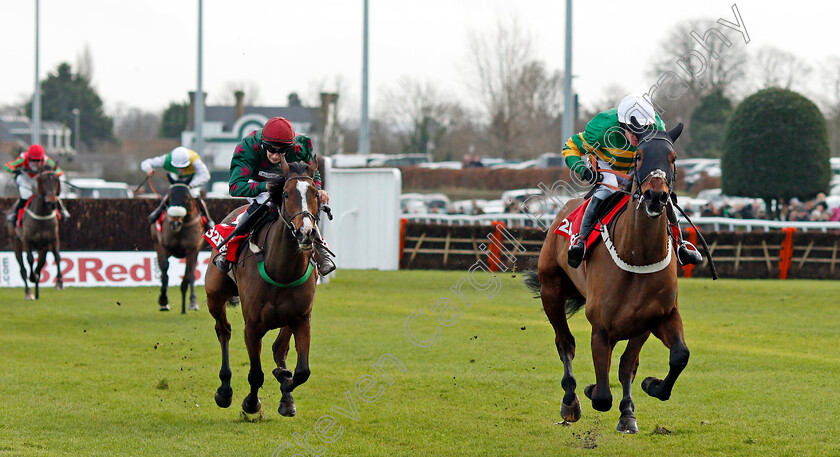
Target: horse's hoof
(59, 287)
(588, 391)
(223, 401)
(287, 409)
(627, 425)
(652, 385)
(29, 297)
(164, 307)
(193, 307)
(251, 409)
(570, 413)
(283, 375)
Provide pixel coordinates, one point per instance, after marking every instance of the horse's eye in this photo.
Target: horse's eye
(285, 194)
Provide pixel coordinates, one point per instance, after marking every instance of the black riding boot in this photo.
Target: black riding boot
(252, 215)
(202, 207)
(685, 255)
(323, 257)
(153, 217)
(12, 216)
(578, 250)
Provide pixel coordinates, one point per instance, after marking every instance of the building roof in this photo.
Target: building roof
(226, 114)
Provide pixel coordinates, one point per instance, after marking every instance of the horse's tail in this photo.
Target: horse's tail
(532, 282)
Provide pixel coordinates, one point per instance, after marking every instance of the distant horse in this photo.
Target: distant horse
(629, 284)
(39, 231)
(276, 287)
(179, 237)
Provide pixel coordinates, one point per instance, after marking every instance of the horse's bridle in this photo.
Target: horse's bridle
(288, 221)
(656, 173)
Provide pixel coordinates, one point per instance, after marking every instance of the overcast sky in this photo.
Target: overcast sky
(144, 52)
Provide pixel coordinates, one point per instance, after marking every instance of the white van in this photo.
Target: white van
(95, 188)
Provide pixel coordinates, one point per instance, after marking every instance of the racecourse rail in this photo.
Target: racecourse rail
(713, 224)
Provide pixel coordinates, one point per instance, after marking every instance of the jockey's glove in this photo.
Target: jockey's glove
(591, 176)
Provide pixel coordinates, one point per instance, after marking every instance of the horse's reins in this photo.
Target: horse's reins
(305, 213)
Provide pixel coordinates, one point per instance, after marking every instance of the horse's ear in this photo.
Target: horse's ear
(284, 165)
(675, 132)
(313, 166)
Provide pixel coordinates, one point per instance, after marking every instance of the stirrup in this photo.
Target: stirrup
(572, 257)
(688, 256)
(223, 264)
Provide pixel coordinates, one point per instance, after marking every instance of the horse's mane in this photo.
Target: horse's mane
(295, 169)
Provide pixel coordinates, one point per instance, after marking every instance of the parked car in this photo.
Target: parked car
(95, 188)
(550, 159)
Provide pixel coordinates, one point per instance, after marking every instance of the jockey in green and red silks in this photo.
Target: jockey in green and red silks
(256, 161)
(26, 169)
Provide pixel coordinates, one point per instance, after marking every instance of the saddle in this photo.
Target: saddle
(609, 209)
(219, 232)
(20, 212)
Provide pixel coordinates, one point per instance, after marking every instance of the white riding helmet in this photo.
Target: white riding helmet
(637, 107)
(180, 157)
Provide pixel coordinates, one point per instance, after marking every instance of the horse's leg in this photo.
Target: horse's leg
(59, 282)
(670, 331)
(189, 278)
(602, 348)
(554, 303)
(35, 272)
(626, 374)
(19, 257)
(216, 306)
(280, 349)
(163, 264)
(253, 341)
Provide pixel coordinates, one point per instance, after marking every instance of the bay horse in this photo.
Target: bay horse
(628, 285)
(276, 288)
(39, 231)
(181, 238)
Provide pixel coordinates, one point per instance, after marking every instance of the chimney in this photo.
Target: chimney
(239, 109)
(191, 112)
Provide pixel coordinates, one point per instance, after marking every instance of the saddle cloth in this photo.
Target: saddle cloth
(22, 210)
(570, 226)
(219, 232)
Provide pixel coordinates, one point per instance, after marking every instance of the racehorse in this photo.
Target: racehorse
(179, 237)
(628, 285)
(276, 288)
(38, 231)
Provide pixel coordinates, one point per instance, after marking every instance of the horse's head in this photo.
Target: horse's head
(180, 202)
(655, 169)
(298, 200)
(49, 186)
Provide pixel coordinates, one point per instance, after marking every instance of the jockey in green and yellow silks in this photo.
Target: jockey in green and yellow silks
(185, 166)
(612, 137)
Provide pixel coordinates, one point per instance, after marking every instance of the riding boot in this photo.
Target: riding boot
(323, 257)
(686, 255)
(12, 216)
(578, 250)
(252, 215)
(63, 210)
(153, 217)
(202, 207)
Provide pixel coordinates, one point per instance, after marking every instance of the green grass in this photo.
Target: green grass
(101, 372)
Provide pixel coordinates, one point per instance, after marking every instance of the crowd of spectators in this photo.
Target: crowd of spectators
(814, 210)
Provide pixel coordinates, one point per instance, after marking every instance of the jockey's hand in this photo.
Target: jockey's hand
(591, 176)
(324, 197)
(150, 172)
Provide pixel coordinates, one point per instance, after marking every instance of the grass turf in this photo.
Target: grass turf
(102, 372)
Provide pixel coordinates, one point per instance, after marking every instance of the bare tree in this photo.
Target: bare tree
(84, 63)
(776, 68)
(226, 96)
(135, 124)
(520, 97)
(830, 100)
(424, 117)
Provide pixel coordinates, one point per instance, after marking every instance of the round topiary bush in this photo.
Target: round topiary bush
(775, 147)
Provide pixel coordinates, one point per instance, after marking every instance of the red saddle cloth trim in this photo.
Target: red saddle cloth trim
(219, 232)
(570, 226)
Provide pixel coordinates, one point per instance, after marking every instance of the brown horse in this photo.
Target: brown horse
(628, 285)
(180, 238)
(39, 231)
(276, 287)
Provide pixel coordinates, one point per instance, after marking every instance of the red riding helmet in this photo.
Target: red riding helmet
(278, 131)
(35, 152)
